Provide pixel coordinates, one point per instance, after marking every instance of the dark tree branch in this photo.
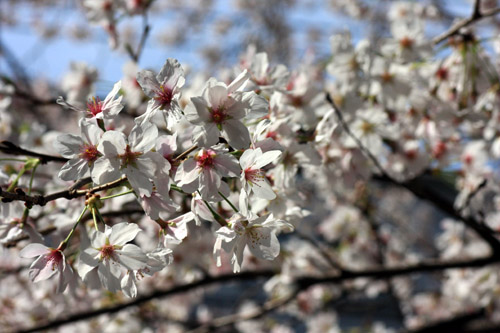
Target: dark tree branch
(476, 15)
(71, 193)
(135, 56)
(8, 147)
(268, 307)
(456, 324)
(428, 188)
(158, 294)
(301, 284)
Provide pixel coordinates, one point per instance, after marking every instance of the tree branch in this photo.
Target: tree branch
(8, 147)
(428, 188)
(237, 317)
(301, 283)
(71, 193)
(476, 15)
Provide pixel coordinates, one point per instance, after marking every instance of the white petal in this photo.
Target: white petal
(33, 250)
(206, 136)
(266, 158)
(264, 244)
(68, 145)
(132, 257)
(236, 133)
(238, 82)
(217, 95)
(142, 137)
(148, 83)
(122, 233)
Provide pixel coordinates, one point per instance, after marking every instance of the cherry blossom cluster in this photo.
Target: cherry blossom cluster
(175, 175)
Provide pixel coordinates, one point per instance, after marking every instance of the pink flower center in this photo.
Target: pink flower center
(253, 175)
(129, 157)
(295, 100)
(206, 159)
(442, 73)
(89, 153)
(406, 42)
(164, 95)
(468, 159)
(54, 258)
(107, 252)
(219, 115)
(94, 106)
(411, 154)
(439, 150)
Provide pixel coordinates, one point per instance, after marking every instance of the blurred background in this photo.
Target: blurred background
(41, 38)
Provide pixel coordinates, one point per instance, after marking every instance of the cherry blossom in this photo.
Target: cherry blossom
(109, 255)
(205, 170)
(220, 109)
(50, 261)
(258, 233)
(81, 150)
(129, 157)
(164, 91)
(95, 108)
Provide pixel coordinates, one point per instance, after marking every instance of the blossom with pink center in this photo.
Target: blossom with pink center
(205, 170)
(95, 108)
(109, 257)
(258, 233)
(253, 177)
(130, 157)
(49, 262)
(81, 150)
(220, 110)
(164, 91)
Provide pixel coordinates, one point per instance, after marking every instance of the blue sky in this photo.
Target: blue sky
(50, 59)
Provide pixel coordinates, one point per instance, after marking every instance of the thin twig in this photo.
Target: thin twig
(187, 152)
(360, 145)
(476, 15)
(135, 56)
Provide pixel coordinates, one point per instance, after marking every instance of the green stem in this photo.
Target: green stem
(14, 183)
(117, 195)
(92, 210)
(33, 176)
(216, 216)
(177, 188)
(229, 202)
(64, 242)
(12, 160)
(99, 215)
(24, 218)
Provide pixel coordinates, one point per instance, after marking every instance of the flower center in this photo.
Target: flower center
(206, 159)
(107, 252)
(406, 42)
(164, 96)
(386, 77)
(442, 73)
(89, 153)
(367, 127)
(129, 157)
(94, 106)
(54, 258)
(219, 115)
(253, 175)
